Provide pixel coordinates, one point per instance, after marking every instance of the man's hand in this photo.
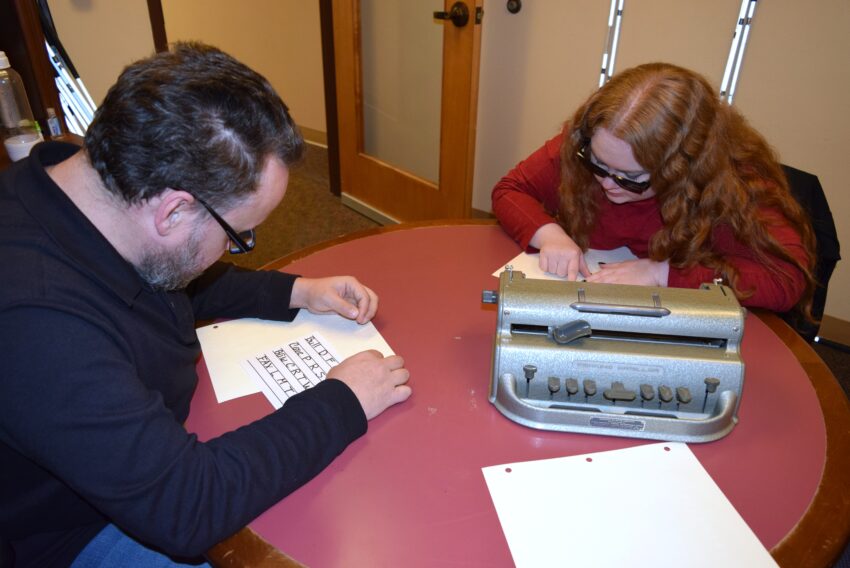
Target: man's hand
(343, 295)
(643, 272)
(559, 254)
(378, 382)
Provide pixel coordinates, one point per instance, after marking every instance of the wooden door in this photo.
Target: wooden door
(406, 110)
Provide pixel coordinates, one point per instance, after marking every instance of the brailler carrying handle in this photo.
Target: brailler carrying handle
(655, 311)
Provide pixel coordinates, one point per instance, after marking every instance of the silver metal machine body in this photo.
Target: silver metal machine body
(633, 361)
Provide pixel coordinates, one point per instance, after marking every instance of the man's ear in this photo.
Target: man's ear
(171, 208)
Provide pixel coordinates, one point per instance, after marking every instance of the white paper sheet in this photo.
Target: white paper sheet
(529, 263)
(291, 368)
(652, 505)
(226, 345)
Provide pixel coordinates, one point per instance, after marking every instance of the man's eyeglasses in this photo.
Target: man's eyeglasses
(584, 155)
(239, 242)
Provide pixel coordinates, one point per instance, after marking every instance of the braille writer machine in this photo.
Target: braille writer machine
(634, 361)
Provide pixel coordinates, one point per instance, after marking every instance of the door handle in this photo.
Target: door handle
(459, 14)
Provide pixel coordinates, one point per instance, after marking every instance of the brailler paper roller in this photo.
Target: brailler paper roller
(634, 361)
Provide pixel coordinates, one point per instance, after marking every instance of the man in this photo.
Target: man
(108, 256)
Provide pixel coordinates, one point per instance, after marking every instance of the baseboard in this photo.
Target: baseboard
(481, 214)
(834, 331)
(368, 211)
(384, 219)
(314, 136)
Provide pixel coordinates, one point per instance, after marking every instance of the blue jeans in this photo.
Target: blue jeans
(113, 548)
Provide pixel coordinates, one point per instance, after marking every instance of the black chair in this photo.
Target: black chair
(7, 555)
(807, 189)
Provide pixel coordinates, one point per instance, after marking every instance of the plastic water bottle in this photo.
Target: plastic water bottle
(20, 131)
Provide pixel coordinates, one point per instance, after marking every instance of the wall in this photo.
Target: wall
(280, 39)
(539, 65)
(536, 67)
(102, 37)
(795, 89)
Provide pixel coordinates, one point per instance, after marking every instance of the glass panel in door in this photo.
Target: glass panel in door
(402, 66)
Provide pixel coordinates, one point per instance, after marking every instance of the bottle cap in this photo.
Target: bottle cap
(4, 61)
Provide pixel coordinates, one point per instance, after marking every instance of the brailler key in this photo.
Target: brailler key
(646, 392)
(554, 384)
(589, 387)
(665, 393)
(529, 374)
(683, 395)
(619, 392)
(572, 386)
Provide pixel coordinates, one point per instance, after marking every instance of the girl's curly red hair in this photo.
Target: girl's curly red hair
(708, 166)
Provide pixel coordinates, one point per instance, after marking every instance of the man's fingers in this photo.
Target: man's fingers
(369, 353)
(394, 362)
(367, 305)
(400, 377)
(400, 394)
(343, 307)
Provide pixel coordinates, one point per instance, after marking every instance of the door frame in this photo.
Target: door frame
(331, 117)
(160, 41)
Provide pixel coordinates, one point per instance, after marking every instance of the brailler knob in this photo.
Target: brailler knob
(572, 386)
(711, 384)
(665, 393)
(529, 371)
(554, 384)
(569, 332)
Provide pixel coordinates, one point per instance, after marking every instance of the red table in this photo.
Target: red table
(411, 492)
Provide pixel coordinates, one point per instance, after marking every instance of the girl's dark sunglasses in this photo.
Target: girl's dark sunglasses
(597, 170)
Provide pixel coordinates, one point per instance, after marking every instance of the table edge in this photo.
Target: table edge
(305, 252)
(829, 511)
(246, 549)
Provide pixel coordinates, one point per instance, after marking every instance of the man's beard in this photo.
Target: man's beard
(171, 270)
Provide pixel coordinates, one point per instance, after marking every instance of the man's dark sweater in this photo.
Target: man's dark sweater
(97, 374)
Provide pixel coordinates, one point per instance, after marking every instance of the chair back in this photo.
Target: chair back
(7, 555)
(808, 192)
